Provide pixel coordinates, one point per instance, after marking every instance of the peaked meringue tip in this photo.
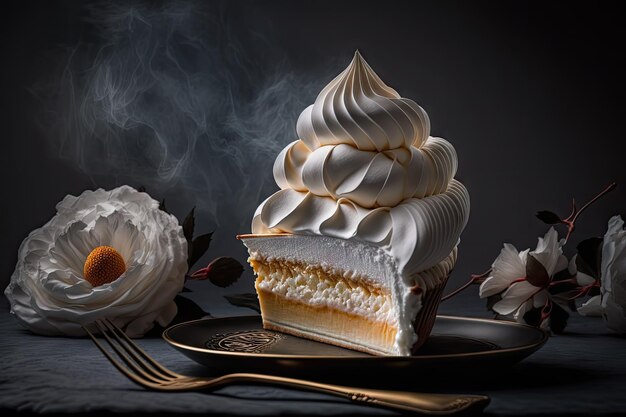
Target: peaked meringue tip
(358, 57)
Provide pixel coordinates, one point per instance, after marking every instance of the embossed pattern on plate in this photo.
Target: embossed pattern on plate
(250, 341)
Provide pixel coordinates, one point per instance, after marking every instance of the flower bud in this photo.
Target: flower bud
(222, 271)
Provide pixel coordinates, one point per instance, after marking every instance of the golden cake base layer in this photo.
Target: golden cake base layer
(325, 324)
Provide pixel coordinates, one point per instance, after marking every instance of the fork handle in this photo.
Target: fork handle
(424, 403)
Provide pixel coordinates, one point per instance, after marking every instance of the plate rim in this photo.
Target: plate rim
(544, 338)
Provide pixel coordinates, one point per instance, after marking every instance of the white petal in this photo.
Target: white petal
(615, 318)
(613, 273)
(523, 255)
(514, 297)
(561, 264)
(167, 314)
(508, 263)
(540, 299)
(493, 285)
(71, 248)
(615, 225)
(519, 314)
(548, 252)
(571, 266)
(506, 268)
(591, 308)
(584, 279)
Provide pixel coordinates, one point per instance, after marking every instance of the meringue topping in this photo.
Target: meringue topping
(365, 168)
(359, 109)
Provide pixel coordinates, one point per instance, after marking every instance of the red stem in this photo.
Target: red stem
(563, 281)
(199, 272)
(570, 221)
(472, 280)
(583, 291)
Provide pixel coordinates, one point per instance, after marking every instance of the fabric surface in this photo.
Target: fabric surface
(580, 373)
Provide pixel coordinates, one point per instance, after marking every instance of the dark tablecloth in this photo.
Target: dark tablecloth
(582, 372)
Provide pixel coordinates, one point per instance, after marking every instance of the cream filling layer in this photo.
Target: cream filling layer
(314, 289)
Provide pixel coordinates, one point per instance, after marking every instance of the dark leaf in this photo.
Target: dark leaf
(249, 300)
(548, 217)
(565, 296)
(187, 310)
(562, 275)
(590, 257)
(198, 248)
(189, 224)
(558, 318)
(593, 291)
(563, 286)
(572, 306)
(162, 206)
(141, 189)
(492, 300)
(536, 273)
(533, 317)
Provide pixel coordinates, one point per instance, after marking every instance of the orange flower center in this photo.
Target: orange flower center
(103, 265)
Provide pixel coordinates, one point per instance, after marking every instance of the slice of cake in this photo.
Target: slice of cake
(356, 247)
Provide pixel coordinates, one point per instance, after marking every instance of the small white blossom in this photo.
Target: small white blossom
(509, 276)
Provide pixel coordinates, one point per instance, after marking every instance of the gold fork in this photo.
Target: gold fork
(147, 372)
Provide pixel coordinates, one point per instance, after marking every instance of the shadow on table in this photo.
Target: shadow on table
(467, 379)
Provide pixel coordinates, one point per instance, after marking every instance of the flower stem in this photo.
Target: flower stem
(473, 279)
(570, 221)
(583, 291)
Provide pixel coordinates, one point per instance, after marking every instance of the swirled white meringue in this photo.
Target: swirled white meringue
(365, 168)
(358, 109)
(419, 233)
(368, 178)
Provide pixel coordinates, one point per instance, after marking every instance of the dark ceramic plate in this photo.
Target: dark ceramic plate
(240, 344)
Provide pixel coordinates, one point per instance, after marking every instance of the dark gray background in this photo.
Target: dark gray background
(530, 94)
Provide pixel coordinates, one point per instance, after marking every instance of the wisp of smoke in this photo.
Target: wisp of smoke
(170, 96)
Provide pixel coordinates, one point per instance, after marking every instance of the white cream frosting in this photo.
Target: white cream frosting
(368, 178)
(365, 168)
(419, 233)
(358, 109)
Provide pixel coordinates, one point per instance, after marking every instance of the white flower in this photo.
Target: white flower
(613, 276)
(50, 296)
(509, 276)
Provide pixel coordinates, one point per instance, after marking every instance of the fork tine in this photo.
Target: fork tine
(141, 357)
(125, 371)
(121, 352)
